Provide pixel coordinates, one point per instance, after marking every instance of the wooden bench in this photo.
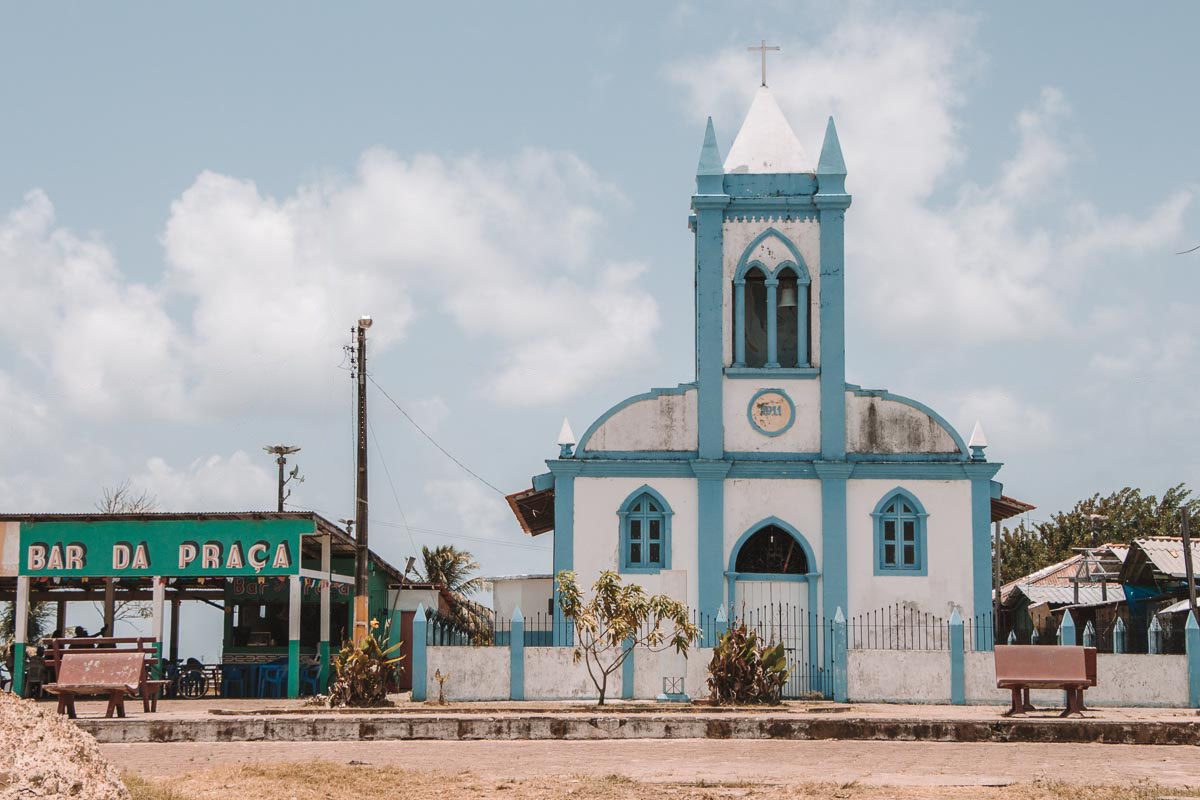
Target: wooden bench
(114, 673)
(148, 689)
(1020, 668)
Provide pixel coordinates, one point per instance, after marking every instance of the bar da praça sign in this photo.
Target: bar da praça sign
(157, 547)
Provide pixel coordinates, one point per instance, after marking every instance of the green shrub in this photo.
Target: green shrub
(744, 670)
(361, 672)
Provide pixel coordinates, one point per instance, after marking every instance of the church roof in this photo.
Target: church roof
(766, 143)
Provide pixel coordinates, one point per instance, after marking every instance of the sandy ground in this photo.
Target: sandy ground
(912, 764)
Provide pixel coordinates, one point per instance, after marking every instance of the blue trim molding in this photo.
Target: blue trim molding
(664, 515)
(835, 587)
(791, 411)
(773, 373)
(564, 537)
(710, 545)
(981, 474)
(918, 517)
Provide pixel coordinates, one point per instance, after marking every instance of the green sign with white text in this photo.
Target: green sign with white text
(162, 547)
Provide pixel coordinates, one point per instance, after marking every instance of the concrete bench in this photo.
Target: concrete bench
(112, 673)
(1020, 668)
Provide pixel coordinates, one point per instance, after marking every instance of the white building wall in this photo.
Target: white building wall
(806, 236)
(662, 422)
(749, 501)
(803, 437)
(598, 532)
(947, 549)
(532, 595)
(880, 425)
(910, 676)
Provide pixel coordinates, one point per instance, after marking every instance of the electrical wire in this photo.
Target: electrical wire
(430, 531)
(388, 473)
(433, 441)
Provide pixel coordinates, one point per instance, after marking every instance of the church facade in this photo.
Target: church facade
(769, 480)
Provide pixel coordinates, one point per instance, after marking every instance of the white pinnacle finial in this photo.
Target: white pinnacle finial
(978, 437)
(566, 435)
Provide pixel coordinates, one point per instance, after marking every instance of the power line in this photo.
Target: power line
(431, 531)
(433, 441)
(388, 473)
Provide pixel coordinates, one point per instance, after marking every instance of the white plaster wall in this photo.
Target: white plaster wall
(876, 425)
(551, 674)
(409, 599)
(1121, 680)
(649, 669)
(531, 595)
(803, 437)
(909, 676)
(598, 533)
(947, 544)
(476, 673)
(750, 500)
(664, 422)
(806, 236)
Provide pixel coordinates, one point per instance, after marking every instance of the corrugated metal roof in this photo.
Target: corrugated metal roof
(1089, 594)
(1166, 554)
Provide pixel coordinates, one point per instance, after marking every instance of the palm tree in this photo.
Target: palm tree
(455, 570)
(452, 568)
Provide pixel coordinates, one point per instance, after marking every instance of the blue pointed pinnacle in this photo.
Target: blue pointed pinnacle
(831, 161)
(709, 172)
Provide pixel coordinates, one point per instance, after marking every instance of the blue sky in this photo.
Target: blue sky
(196, 203)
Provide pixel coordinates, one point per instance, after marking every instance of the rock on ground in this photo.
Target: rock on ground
(44, 755)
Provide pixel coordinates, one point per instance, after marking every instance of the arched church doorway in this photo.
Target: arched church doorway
(771, 591)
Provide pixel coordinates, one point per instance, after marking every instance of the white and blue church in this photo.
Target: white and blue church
(769, 480)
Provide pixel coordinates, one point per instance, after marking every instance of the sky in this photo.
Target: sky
(197, 202)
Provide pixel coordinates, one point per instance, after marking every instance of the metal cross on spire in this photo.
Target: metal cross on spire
(763, 48)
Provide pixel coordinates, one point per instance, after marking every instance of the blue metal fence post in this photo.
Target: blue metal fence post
(418, 654)
(958, 681)
(516, 657)
(627, 667)
(1119, 636)
(1066, 631)
(838, 657)
(1191, 636)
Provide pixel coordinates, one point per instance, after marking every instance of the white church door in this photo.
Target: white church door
(771, 596)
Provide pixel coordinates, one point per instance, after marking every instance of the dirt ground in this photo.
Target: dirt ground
(657, 768)
(329, 781)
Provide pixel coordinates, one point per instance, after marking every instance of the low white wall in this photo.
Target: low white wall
(902, 676)
(551, 674)
(1121, 680)
(476, 673)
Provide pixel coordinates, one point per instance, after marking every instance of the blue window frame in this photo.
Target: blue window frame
(900, 535)
(645, 532)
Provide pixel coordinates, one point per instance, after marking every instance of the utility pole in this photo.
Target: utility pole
(361, 600)
(281, 452)
(1189, 569)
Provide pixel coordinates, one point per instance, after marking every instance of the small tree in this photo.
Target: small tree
(618, 618)
(361, 671)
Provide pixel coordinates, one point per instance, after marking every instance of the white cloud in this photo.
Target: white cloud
(1012, 425)
(213, 483)
(465, 506)
(962, 263)
(507, 249)
(107, 344)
